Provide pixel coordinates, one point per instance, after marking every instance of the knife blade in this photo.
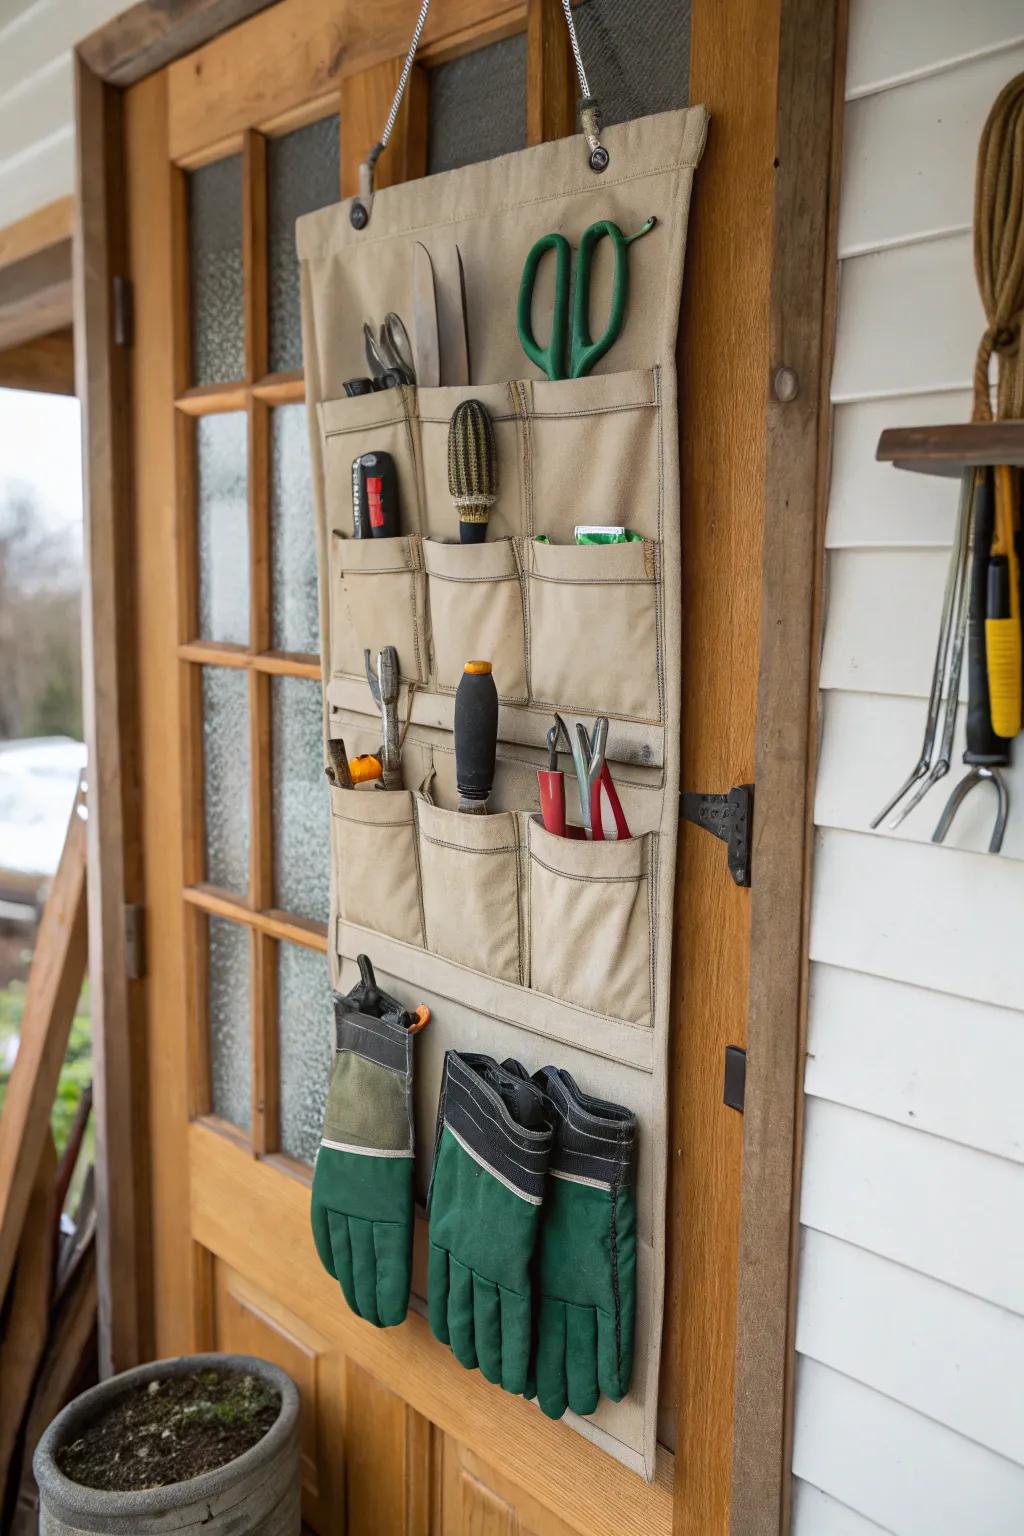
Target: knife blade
(459, 365)
(424, 319)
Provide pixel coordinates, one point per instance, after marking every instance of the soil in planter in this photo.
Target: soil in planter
(174, 1428)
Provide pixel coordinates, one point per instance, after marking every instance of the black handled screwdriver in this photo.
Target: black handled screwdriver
(476, 736)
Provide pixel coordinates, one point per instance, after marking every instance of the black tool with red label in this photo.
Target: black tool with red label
(374, 497)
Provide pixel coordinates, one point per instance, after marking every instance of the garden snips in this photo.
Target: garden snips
(389, 353)
(592, 775)
(570, 353)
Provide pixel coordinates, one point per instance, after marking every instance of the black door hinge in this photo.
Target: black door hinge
(730, 817)
(734, 1089)
(134, 941)
(124, 313)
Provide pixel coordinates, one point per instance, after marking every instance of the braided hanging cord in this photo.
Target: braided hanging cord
(999, 254)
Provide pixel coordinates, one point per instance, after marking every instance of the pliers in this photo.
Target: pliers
(383, 683)
(592, 774)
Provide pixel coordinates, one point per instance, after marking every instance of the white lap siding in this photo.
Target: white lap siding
(910, 1313)
(37, 136)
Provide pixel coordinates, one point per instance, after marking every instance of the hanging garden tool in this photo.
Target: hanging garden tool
(1002, 611)
(570, 353)
(986, 752)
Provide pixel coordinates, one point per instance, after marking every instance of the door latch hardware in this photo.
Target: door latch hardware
(730, 817)
(134, 941)
(735, 1086)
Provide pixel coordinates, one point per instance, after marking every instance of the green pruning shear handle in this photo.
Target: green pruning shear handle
(583, 353)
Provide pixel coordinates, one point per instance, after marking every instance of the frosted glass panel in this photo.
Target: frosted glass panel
(302, 174)
(478, 105)
(305, 1029)
(637, 55)
(229, 1013)
(215, 271)
(293, 596)
(301, 827)
(226, 777)
(223, 527)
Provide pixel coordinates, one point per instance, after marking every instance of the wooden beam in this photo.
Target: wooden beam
(49, 225)
(550, 73)
(35, 294)
(806, 185)
(115, 872)
(54, 985)
(153, 33)
(723, 362)
(28, 1313)
(304, 48)
(365, 102)
(46, 363)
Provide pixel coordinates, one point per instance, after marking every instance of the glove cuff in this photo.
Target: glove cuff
(385, 1041)
(594, 1139)
(501, 1119)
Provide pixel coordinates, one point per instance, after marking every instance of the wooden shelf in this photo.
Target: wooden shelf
(949, 450)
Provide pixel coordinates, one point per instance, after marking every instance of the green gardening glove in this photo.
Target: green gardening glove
(490, 1160)
(587, 1262)
(362, 1208)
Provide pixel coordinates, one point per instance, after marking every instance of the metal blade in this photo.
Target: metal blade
(457, 367)
(424, 319)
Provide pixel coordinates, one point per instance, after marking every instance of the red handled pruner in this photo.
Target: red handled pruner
(592, 774)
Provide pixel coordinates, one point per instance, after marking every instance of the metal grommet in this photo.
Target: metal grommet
(599, 159)
(359, 216)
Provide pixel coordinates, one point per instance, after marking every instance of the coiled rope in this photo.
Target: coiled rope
(999, 254)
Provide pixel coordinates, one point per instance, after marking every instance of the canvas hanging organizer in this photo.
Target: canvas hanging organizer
(552, 950)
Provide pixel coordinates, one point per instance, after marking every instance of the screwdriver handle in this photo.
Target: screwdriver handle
(1002, 622)
(476, 735)
(983, 745)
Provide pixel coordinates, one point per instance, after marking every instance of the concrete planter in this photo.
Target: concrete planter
(257, 1494)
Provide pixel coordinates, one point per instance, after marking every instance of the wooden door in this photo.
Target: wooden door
(224, 149)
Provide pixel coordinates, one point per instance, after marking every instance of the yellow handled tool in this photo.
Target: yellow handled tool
(1002, 613)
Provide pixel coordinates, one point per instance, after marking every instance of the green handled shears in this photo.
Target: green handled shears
(583, 353)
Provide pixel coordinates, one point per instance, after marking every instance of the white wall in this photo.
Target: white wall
(37, 97)
(910, 1322)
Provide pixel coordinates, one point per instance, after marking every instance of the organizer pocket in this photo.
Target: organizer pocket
(596, 453)
(470, 870)
(357, 424)
(373, 842)
(377, 599)
(476, 611)
(435, 407)
(594, 628)
(591, 922)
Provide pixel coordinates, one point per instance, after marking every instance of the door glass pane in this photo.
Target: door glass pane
(223, 511)
(303, 173)
(305, 1033)
(301, 840)
(637, 55)
(229, 1013)
(478, 105)
(215, 271)
(294, 616)
(226, 777)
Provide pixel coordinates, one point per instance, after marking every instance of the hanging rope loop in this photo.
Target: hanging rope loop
(590, 117)
(999, 255)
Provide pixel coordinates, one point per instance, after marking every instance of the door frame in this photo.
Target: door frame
(776, 464)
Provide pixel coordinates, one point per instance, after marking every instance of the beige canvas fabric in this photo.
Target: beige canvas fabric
(548, 949)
